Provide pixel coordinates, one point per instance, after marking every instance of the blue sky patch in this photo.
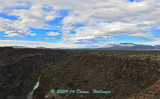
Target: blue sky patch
(4, 15)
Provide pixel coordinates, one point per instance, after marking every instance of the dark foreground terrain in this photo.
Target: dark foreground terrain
(126, 74)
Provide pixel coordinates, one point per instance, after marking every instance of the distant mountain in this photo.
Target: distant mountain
(40, 47)
(17, 46)
(128, 46)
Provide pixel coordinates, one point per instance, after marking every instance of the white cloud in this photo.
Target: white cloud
(156, 41)
(53, 33)
(49, 18)
(11, 28)
(110, 18)
(153, 43)
(34, 17)
(142, 35)
(101, 19)
(37, 44)
(49, 38)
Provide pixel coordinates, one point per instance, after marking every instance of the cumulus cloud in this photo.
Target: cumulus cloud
(142, 35)
(111, 18)
(34, 17)
(37, 44)
(49, 38)
(156, 42)
(53, 33)
(12, 28)
(99, 19)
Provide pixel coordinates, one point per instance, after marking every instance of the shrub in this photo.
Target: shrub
(56, 88)
(53, 97)
(70, 84)
(62, 95)
(147, 60)
(121, 66)
(119, 76)
(85, 81)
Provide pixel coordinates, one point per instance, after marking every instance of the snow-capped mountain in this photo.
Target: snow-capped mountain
(129, 46)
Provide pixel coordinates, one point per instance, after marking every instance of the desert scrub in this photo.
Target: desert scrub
(121, 66)
(53, 97)
(85, 81)
(56, 88)
(119, 76)
(70, 84)
(147, 59)
(62, 95)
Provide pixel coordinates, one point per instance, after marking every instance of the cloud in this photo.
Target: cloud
(142, 35)
(91, 21)
(153, 43)
(49, 18)
(111, 18)
(53, 33)
(37, 44)
(49, 38)
(34, 17)
(12, 28)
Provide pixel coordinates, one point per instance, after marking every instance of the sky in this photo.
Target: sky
(79, 23)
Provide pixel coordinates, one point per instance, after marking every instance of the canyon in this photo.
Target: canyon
(126, 74)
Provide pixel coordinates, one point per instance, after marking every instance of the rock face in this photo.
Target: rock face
(20, 68)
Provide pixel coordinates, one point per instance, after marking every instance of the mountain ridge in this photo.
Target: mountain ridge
(129, 46)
